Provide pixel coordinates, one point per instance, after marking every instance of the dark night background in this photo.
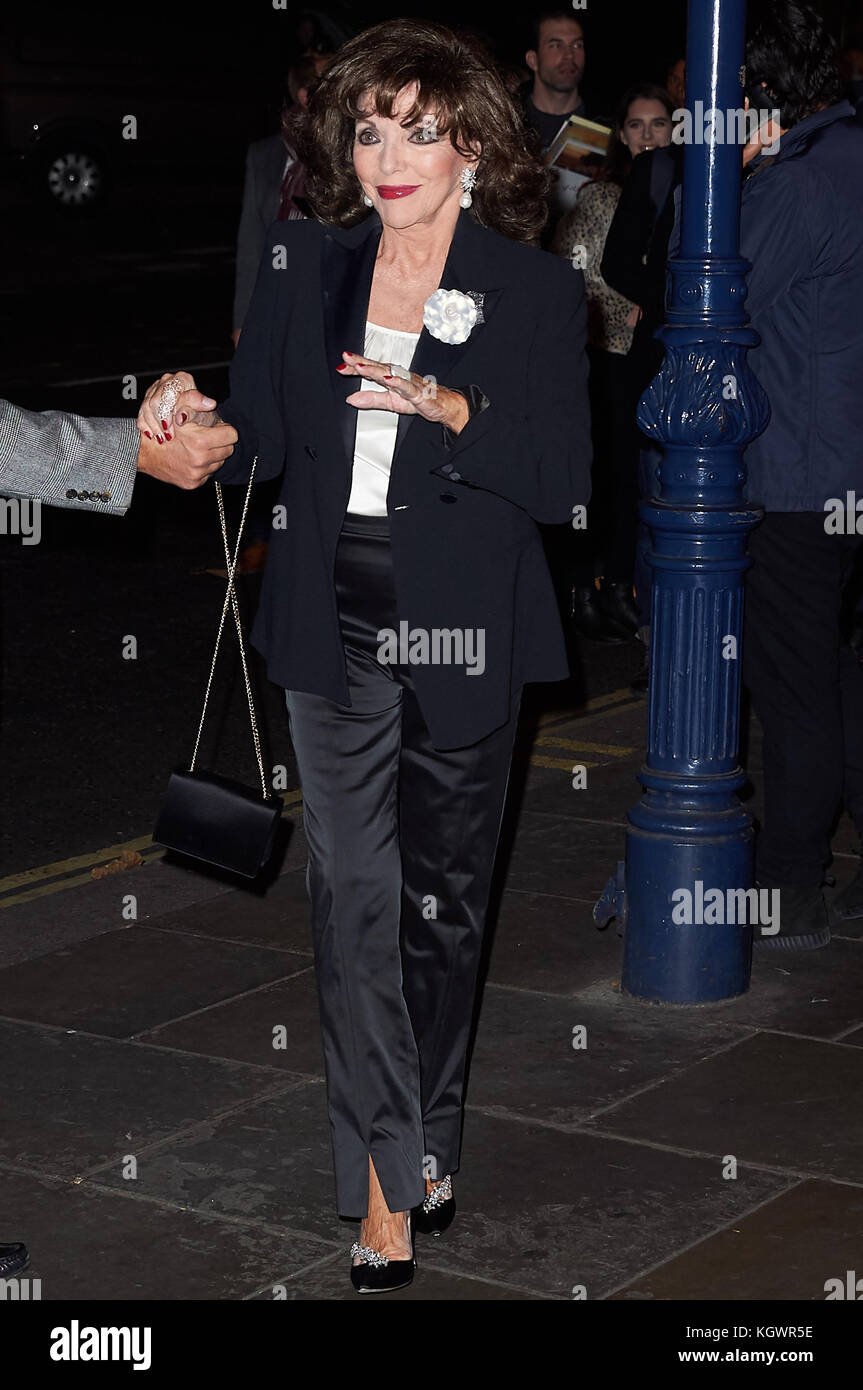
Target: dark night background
(138, 285)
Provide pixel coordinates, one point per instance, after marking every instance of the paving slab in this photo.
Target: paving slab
(72, 1102)
(550, 944)
(786, 1102)
(598, 1167)
(277, 918)
(549, 857)
(278, 1027)
(788, 1249)
(88, 1243)
(548, 1210)
(126, 981)
(525, 1063)
(610, 789)
(268, 1164)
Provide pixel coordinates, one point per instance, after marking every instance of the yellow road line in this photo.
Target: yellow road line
(566, 764)
(613, 750)
(594, 706)
(61, 867)
(46, 889)
(37, 882)
(79, 861)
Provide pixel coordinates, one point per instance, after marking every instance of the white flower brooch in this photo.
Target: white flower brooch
(451, 315)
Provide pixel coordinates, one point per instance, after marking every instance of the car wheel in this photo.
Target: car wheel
(73, 177)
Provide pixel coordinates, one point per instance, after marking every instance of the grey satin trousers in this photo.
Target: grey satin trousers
(402, 839)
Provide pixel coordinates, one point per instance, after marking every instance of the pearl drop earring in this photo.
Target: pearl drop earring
(367, 200)
(468, 181)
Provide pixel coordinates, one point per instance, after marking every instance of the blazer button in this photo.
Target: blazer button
(70, 492)
(455, 477)
(312, 453)
(448, 497)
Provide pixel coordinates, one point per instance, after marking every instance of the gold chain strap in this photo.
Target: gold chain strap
(231, 598)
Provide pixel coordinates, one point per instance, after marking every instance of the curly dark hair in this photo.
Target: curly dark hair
(789, 48)
(458, 83)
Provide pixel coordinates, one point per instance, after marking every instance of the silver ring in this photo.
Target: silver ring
(401, 372)
(168, 398)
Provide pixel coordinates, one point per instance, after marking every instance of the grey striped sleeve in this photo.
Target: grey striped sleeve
(67, 460)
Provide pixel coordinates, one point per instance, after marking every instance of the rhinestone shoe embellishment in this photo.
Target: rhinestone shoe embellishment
(439, 1194)
(368, 1255)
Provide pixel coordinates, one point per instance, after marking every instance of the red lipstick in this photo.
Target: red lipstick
(397, 190)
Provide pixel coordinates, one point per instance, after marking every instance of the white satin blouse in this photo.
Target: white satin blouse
(376, 429)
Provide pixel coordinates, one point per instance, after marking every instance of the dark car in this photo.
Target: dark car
(89, 96)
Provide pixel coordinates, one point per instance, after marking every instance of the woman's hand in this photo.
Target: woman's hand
(405, 393)
(171, 402)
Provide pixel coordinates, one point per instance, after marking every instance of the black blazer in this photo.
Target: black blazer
(466, 550)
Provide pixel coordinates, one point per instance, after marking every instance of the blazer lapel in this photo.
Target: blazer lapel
(463, 271)
(347, 266)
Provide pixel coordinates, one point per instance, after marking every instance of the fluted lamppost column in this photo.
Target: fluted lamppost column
(690, 832)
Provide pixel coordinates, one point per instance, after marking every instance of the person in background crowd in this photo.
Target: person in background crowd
(556, 58)
(634, 262)
(514, 77)
(273, 191)
(643, 121)
(675, 83)
(273, 182)
(851, 69)
(801, 229)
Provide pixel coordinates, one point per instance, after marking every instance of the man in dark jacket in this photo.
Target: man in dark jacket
(267, 189)
(801, 227)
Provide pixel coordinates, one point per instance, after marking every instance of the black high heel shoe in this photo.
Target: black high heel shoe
(378, 1273)
(435, 1214)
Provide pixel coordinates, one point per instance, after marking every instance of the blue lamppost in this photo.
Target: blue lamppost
(689, 839)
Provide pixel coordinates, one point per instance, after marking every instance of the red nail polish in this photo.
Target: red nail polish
(342, 367)
(164, 424)
(182, 417)
(389, 378)
(148, 434)
(168, 436)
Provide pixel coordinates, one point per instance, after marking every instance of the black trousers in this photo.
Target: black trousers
(402, 839)
(807, 690)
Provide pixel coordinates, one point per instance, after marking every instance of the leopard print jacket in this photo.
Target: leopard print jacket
(580, 236)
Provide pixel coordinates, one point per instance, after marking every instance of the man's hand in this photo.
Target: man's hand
(767, 135)
(194, 452)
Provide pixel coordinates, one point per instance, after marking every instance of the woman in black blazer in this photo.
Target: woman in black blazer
(406, 599)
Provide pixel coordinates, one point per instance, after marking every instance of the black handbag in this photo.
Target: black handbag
(213, 818)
